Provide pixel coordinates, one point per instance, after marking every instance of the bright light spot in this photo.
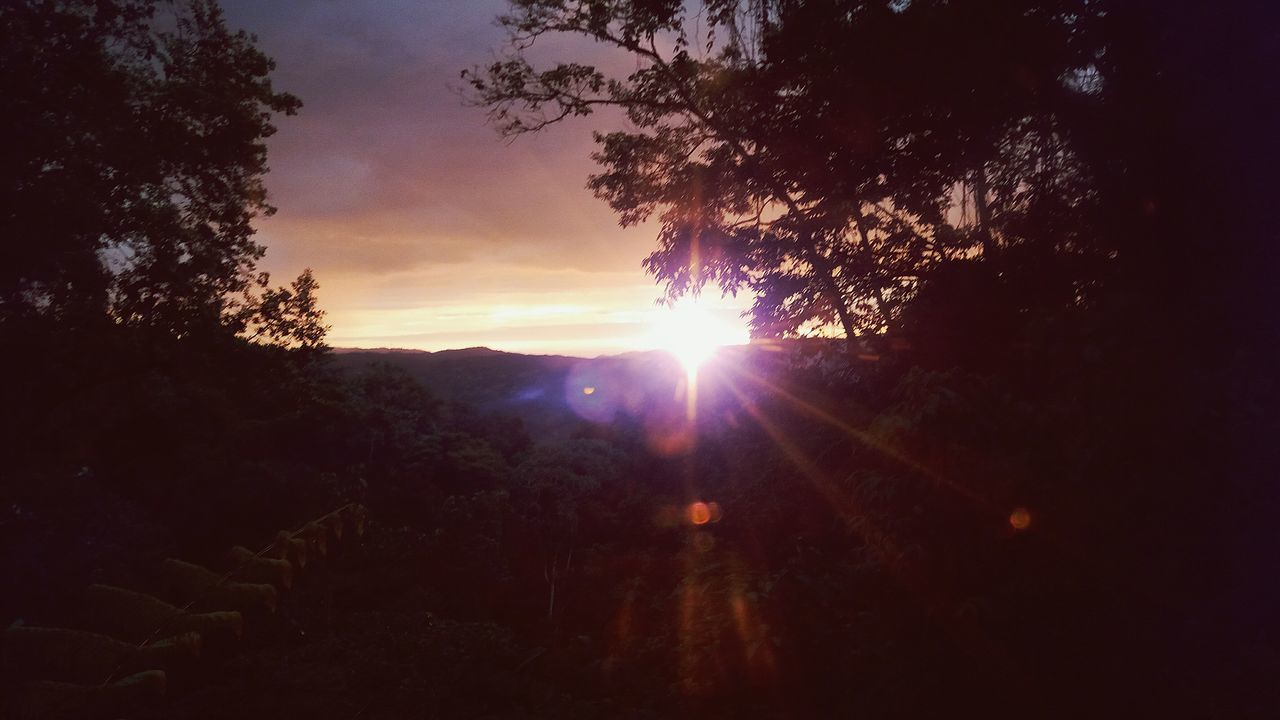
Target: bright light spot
(1020, 518)
(699, 513)
(588, 390)
(692, 332)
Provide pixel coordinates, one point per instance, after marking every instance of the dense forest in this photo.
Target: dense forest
(1003, 444)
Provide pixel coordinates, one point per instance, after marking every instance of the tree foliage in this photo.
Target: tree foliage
(136, 131)
(827, 156)
(288, 317)
(554, 484)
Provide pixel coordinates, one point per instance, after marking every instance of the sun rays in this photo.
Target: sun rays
(736, 386)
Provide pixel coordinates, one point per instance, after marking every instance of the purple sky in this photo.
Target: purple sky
(425, 228)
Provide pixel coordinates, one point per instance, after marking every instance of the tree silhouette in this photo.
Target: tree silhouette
(136, 161)
(829, 156)
(288, 317)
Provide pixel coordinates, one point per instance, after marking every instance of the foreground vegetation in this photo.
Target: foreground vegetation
(887, 538)
(1032, 479)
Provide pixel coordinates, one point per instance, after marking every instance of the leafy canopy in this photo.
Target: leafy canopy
(828, 156)
(136, 134)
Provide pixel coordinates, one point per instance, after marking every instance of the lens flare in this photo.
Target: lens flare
(592, 392)
(1020, 518)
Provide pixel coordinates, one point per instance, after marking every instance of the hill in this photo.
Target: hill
(491, 382)
(554, 394)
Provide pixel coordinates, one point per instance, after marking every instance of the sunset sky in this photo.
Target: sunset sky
(424, 227)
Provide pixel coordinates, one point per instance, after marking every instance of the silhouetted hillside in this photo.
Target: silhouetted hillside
(547, 392)
(525, 386)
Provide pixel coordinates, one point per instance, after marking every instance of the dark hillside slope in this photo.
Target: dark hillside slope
(549, 393)
(529, 387)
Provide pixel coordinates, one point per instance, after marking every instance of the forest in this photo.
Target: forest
(1003, 443)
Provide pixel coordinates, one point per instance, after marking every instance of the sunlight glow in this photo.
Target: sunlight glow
(692, 332)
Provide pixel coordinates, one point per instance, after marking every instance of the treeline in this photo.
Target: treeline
(902, 542)
(127, 445)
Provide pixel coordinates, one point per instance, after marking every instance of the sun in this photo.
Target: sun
(692, 332)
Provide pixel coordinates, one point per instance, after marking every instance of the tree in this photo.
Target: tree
(288, 317)
(136, 161)
(827, 156)
(555, 482)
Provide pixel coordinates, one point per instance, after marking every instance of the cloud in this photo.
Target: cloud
(398, 195)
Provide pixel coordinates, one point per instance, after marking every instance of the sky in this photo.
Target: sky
(425, 228)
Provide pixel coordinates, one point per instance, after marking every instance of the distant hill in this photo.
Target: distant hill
(530, 387)
(554, 394)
